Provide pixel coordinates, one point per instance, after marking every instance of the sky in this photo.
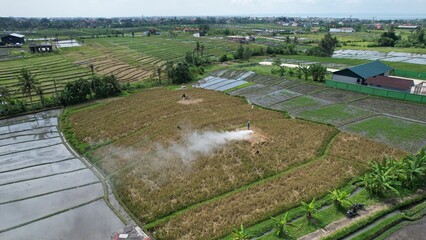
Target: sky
(126, 8)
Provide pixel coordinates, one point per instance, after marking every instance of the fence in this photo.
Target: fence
(376, 91)
(409, 74)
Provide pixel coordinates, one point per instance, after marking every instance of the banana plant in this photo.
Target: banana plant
(281, 224)
(240, 234)
(310, 208)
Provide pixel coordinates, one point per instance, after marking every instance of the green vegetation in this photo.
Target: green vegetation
(240, 234)
(237, 190)
(325, 47)
(340, 198)
(310, 209)
(392, 175)
(391, 130)
(336, 114)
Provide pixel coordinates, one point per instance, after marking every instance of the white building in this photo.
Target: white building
(342, 30)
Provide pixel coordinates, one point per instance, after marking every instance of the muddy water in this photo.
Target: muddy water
(414, 231)
(94, 221)
(45, 185)
(18, 147)
(34, 157)
(41, 171)
(34, 208)
(47, 192)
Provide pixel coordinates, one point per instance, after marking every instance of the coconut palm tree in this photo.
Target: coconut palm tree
(281, 224)
(310, 208)
(202, 48)
(4, 95)
(27, 83)
(157, 73)
(240, 234)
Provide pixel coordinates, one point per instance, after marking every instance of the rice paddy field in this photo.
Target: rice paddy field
(205, 194)
(403, 125)
(49, 69)
(129, 59)
(393, 131)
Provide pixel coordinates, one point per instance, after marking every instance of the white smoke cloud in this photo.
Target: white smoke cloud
(203, 143)
(155, 158)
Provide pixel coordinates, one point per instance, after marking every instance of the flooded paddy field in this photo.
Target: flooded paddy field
(45, 187)
(376, 55)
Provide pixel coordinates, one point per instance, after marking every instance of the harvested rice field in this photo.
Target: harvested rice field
(192, 170)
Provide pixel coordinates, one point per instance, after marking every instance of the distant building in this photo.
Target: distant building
(406, 26)
(41, 47)
(391, 83)
(315, 29)
(191, 30)
(13, 38)
(342, 30)
(359, 74)
(199, 34)
(241, 39)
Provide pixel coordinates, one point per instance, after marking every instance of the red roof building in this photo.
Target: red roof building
(391, 83)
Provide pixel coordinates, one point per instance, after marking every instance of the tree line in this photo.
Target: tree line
(73, 93)
(391, 39)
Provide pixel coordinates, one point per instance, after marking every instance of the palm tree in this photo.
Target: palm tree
(28, 83)
(340, 198)
(202, 48)
(168, 68)
(157, 73)
(92, 69)
(197, 48)
(240, 234)
(310, 208)
(280, 225)
(40, 93)
(4, 95)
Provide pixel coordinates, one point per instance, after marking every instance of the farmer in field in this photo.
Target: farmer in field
(248, 125)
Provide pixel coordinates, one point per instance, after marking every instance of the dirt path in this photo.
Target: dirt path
(343, 223)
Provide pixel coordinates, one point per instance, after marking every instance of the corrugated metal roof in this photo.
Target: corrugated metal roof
(17, 35)
(368, 70)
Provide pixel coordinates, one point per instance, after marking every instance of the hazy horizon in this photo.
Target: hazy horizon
(363, 9)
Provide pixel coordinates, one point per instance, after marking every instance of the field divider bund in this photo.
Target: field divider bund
(47, 193)
(49, 215)
(26, 150)
(35, 140)
(50, 175)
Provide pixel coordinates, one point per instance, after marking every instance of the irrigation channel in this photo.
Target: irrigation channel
(47, 191)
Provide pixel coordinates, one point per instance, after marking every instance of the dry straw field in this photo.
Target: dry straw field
(177, 170)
